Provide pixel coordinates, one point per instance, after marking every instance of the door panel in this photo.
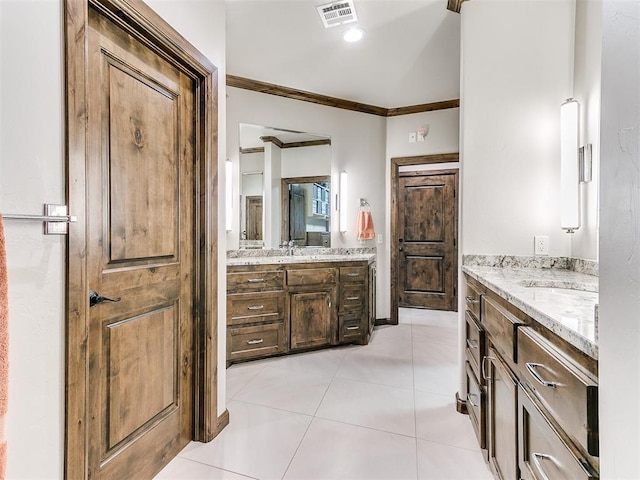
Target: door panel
(140, 173)
(254, 217)
(427, 251)
(311, 318)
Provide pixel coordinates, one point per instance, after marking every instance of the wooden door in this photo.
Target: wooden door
(254, 217)
(297, 223)
(503, 418)
(311, 318)
(426, 243)
(140, 251)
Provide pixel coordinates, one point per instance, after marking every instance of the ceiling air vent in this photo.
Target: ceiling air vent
(337, 13)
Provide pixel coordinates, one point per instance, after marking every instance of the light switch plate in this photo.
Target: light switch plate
(412, 137)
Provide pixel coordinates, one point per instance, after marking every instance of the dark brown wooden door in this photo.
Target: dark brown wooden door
(140, 221)
(254, 217)
(312, 320)
(427, 245)
(297, 224)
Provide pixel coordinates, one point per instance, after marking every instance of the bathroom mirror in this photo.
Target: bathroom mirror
(273, 160)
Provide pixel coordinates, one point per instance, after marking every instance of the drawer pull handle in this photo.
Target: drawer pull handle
(534, 373)
(469, 395)
(256, 280)
(470, 299)
(255, 307)
(355, 327)
(255, 342)
(353, 274)
(482, 367)
(472, 344)
(353, 298)
(536, 457)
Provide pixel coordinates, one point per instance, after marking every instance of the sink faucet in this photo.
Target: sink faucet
(290, 246)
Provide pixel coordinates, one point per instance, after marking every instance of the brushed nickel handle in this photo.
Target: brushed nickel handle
(255, 280)
(536, 457)
(482, 367)
(353, 298)
(255, 307)
(469, 395)
(353, 274)
(531, 367)
(470, 299)
(328, 301)
(472, 344)
(355, 327)
(255, 342)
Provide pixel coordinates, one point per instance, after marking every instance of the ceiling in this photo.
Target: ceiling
(250, 135)
(410, 54)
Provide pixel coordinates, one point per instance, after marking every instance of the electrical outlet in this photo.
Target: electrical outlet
(540, 245)
(412, 137)
(379, 238)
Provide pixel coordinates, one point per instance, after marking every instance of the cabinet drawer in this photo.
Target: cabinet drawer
(312, 276)
(260, 280)
(255, 341)
(353, 274)
(352, 298)
(472, 300)
(255, 307)
(566, 390)
(501, 326)
(544, 452)
(474, 343)
(351, 327)
(476, 405)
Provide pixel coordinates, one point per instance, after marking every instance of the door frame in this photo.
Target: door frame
(140, 21)
(396, 163)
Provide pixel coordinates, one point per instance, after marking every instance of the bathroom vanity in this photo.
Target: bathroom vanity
(279, 304)
(532, 368)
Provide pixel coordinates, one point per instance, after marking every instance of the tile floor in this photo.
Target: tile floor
(381, 411)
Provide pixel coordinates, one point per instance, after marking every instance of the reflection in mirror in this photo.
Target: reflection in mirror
(268, 157)
(306, 211)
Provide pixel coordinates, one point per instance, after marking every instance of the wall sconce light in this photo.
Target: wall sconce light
(569, 166)
(229, 195)
(343, 202)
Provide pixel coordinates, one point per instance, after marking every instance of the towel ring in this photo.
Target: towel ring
(364, 204)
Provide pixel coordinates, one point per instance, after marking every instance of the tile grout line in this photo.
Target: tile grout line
(415, 404)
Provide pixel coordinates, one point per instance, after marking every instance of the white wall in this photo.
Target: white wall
(357, 146)
(619, 327)
(32, 168)
(513, 80)
(588, 49)
(306, 161)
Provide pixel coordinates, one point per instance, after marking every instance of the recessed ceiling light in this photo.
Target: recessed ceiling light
(353, 35)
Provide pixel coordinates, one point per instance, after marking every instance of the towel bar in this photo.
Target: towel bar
(56, 219)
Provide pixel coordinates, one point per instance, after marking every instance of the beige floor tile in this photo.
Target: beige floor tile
(443, 462)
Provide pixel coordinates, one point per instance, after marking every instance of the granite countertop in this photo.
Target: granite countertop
(300, 255)
(562, 300)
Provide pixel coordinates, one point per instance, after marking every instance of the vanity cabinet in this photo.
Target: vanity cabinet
(283, 308)
(312, 296)
(532, 397)
(256, 314)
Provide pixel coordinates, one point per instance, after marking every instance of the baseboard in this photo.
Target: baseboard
(384, 321)
(222, 422)
(461, 405)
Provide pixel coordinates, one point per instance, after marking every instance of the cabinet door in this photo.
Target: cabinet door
(503, 419)
(311, 318)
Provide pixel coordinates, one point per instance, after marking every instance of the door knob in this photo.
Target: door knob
(95, 298)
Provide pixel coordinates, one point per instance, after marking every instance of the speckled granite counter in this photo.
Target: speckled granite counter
(300, 255)
(562, 300)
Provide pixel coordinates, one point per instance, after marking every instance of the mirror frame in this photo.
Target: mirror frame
(284, 199)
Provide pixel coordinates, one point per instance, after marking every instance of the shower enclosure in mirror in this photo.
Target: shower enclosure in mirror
(285, 187)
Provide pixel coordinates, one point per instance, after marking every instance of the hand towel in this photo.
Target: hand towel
(365, 225)
(4, 351)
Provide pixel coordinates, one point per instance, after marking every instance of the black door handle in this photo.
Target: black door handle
(95, 298)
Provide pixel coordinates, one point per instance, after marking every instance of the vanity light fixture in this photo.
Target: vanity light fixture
(353, 34)
(343, 202)
(229, 195)
(569, 166)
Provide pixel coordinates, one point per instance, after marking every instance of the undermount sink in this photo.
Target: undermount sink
(562, 286)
